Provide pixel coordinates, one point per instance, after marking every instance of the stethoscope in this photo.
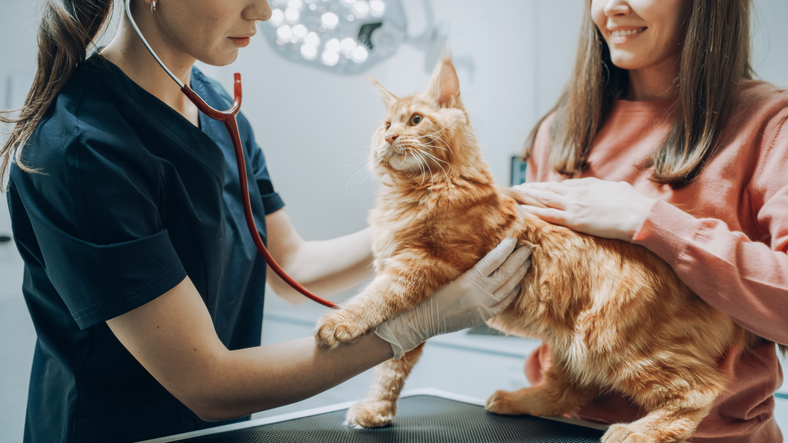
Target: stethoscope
(230, 123)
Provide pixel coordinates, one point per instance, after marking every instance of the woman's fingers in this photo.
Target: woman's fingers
(548, 197)
(550, 215)
(573, 182)
(557, 187)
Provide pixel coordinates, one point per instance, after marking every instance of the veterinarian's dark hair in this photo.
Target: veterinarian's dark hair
(66, 30)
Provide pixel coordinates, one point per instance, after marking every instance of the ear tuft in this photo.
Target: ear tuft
(445, 85)
(388, 98)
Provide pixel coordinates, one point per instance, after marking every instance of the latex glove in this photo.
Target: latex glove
(479, 294)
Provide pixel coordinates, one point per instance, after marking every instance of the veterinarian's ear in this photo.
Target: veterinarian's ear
(445, 86)
(388, 98)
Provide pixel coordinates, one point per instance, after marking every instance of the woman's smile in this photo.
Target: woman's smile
(623, 34)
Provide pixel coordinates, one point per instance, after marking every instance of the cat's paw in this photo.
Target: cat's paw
(622, 433)
(334, 328)
(505, 403)
(371, 414)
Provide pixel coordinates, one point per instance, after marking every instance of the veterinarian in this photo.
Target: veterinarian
(141, 278)
(663, 139)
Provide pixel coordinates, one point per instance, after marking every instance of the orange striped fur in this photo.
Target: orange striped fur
(615, 315)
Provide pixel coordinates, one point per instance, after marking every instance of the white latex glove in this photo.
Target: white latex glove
(479, 294)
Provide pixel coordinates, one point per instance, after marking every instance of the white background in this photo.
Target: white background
(315, 127)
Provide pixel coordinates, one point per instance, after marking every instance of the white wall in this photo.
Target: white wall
(315, 127)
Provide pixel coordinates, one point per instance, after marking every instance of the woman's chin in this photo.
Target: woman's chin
(220, 60)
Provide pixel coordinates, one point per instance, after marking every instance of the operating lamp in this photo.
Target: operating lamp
(346, 36)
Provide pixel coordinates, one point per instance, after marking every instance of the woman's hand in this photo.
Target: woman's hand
(605, 209)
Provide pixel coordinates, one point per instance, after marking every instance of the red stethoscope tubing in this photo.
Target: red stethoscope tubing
(229, 119)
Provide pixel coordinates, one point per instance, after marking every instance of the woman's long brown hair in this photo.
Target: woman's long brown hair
(67, 29)
(715, 56)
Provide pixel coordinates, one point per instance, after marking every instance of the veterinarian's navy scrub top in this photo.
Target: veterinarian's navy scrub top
(131, 198)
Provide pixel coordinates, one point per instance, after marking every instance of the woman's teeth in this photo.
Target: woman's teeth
(627, 32)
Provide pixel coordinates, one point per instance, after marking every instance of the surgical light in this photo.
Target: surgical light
(343, 36)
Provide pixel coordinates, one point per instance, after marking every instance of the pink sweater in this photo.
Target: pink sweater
(725, 235)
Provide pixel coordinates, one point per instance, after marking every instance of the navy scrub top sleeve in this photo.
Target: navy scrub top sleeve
(271, 199)
(96, 219)
(258, 169)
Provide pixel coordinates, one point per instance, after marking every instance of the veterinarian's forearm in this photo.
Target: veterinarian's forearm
(255, 379)
(330, 266)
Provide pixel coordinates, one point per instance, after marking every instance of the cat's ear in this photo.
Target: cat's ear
(445, 85)
(388, 98)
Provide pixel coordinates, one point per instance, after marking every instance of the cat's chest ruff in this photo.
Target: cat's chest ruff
(395, 216)
(393, 222)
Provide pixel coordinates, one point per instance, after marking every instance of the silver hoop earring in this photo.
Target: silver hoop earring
(152, 6)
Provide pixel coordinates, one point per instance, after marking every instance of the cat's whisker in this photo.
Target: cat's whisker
(419, 161)
(432, 177)
(446, 144)
(431, 155)
(436, 132)
(421, 152)
(438, 137)
(439, 161)
(356, 170)
(431, 146)
(423, 172)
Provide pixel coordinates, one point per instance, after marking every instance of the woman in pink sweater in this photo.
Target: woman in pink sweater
(661, 138)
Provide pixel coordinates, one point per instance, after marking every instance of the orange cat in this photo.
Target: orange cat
(615, 314)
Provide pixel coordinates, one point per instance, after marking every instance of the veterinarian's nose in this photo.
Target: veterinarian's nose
(390, 138)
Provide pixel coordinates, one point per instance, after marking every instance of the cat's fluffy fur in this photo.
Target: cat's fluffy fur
(615, 315)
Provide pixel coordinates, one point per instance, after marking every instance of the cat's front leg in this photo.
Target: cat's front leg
(380, 406)
(343, 326)
(386, 297)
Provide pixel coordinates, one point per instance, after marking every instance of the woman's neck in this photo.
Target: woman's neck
(128, 53)
(654, 82)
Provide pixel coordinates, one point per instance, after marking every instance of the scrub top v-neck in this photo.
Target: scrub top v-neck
(128, 199)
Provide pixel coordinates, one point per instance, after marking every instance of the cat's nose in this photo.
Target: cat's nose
(390, 138)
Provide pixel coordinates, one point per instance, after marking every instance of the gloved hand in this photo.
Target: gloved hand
(479, 294)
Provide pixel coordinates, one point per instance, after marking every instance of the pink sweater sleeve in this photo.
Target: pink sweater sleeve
(744, 278)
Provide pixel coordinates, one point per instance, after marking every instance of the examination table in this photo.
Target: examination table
(423, 416)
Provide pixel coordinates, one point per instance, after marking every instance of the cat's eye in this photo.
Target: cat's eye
(416, 119)
(388, 125)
